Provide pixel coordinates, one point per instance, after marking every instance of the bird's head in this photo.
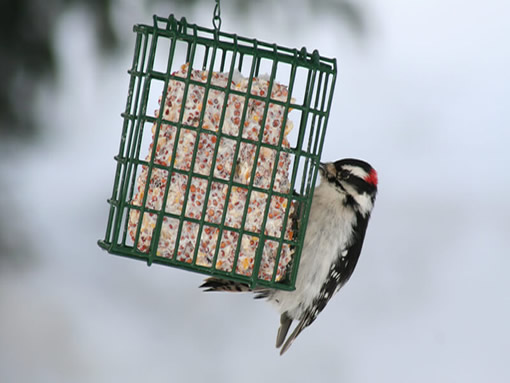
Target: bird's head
(354, 178)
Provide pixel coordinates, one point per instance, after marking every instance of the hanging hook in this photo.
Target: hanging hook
(217, 16)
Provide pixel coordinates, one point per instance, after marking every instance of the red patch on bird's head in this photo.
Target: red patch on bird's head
(372, 177)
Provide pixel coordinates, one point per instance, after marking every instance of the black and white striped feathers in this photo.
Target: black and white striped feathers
(339, 215)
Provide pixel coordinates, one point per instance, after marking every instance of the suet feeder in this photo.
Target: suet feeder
(219, 153)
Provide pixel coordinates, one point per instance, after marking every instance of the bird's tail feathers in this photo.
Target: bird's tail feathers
(300, 327)
(285, 323)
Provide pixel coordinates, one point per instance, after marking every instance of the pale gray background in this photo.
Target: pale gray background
(425, 98)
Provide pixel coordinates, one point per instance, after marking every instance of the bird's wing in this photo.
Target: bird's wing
(218, 284)
(327, 291)
(339, 273)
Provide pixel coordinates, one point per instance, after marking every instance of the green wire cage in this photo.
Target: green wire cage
(219, 153)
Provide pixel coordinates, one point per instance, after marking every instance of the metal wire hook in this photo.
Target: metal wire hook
(217, 16)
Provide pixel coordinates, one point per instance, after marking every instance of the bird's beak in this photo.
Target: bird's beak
(322, 167)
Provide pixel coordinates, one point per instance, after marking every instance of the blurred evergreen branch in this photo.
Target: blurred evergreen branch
(26, 48)
(27, 51)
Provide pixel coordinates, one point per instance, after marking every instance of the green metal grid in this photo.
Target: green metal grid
(160, 50)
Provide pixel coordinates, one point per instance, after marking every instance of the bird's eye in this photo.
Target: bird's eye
(344, 174)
